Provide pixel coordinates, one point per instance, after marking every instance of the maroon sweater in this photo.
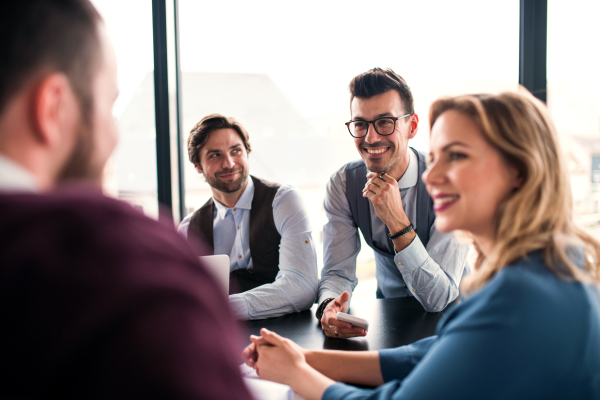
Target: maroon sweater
(98, 301)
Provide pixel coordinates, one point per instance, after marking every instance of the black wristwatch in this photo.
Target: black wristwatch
(321, 309)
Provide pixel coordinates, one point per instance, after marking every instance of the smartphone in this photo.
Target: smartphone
(354, 321)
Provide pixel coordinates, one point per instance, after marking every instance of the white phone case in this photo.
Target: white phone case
(354, 321)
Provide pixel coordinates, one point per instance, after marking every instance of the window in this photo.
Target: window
(282, 69)
(573, 86)
(131, 172)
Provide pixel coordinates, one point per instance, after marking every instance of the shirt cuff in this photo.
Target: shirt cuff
(327, 294)
(395, 363)
(341, 390)
(411, 257)
(239, 307)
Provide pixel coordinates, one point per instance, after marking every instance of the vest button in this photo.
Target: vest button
(399, 262)
(235, 209)
(240, 256)
(414, 290)
(306, 241)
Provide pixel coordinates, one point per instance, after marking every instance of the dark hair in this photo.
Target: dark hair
(200, 132)
(378, 81)
(49, 35)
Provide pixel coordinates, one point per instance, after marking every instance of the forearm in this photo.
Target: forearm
(310, 384)
(357, 367)
(435, 284)
(284, 296)
(334, 283)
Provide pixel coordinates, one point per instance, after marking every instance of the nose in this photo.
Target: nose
(433, 175)
(228, 162)
(372, 136)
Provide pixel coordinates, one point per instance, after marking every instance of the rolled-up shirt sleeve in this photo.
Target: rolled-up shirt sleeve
(433, 274)
(295, 286)
(341, 242)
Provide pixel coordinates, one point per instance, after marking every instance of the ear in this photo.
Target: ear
(55, 111)
(517, 177)
(198, 169)
(414, 126)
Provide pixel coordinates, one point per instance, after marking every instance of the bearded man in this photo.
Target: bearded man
(262, 226)
(382, 195)
(97, 301)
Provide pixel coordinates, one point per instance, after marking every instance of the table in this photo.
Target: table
(392, 322)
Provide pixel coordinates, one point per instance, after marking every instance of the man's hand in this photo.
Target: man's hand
(387, 202)
(334, 327)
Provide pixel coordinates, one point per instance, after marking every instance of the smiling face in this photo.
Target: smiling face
(224, 161)
(384, 153)
(467, 177)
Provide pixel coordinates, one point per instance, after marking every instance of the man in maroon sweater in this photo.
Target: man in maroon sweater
(96, 300)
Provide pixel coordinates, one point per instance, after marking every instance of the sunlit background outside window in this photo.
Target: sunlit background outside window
(282, 69)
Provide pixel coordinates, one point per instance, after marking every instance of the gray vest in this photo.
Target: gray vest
(356, 178)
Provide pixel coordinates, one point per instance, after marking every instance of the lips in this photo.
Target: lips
(444, 201)
(228, 174)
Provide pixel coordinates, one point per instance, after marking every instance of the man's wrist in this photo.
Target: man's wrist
(397, 226)
(402, 232)
(321, 308)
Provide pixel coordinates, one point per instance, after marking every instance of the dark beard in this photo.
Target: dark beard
(225, 187)
(80, 166)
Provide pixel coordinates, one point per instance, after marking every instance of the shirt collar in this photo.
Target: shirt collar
(15, 178)
(411, 175)
(244, 202)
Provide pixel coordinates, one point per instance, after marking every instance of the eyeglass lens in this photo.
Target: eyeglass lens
(383, 126)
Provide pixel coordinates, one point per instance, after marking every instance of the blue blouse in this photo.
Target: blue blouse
(526, 334)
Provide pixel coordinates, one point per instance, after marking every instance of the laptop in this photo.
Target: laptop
(218, 265)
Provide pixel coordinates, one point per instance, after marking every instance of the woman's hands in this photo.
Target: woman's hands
(281, 360)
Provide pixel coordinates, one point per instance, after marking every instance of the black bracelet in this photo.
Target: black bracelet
(402, 232)
(321, 308)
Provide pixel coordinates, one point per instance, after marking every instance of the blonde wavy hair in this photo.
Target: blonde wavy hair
(539, 214)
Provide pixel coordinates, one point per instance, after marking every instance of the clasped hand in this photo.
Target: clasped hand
(274, 358)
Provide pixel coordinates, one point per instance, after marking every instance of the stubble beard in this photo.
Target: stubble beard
(80, 167)
(378, 167)
(228, 187)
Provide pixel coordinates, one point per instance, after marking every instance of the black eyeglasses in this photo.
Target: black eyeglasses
(384, 126)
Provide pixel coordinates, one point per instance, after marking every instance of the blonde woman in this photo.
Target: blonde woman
(528, 326)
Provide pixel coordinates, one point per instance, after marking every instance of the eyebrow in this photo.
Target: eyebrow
(385, 114)
(218, 150)
(446, 147)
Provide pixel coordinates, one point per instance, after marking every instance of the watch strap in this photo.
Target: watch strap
(321, 308)
(402, 232)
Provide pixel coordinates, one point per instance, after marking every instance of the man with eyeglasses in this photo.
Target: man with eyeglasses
(384, 197)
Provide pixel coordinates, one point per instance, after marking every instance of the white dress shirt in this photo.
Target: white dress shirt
(15, 178)
(296, 284)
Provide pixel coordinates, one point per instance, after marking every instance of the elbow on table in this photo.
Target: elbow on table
(440, 304)
(435, 307)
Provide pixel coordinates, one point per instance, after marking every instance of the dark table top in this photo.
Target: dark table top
(392, 323)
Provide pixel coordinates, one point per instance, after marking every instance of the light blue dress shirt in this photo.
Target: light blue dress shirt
(296, 283)
(527, 334)
(431, 274)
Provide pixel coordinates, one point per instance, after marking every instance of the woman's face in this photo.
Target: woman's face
(467, 178)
